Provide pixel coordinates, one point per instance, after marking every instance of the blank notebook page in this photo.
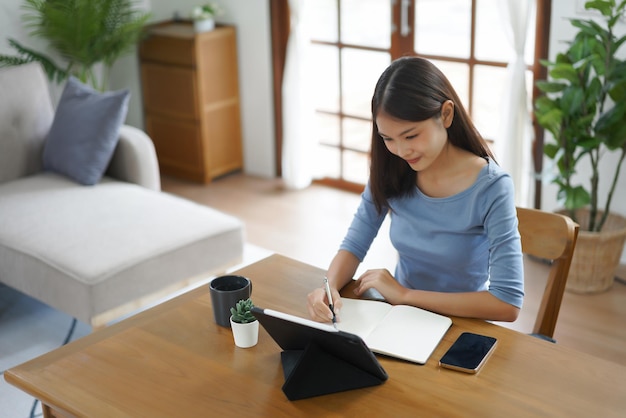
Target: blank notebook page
(400, 331)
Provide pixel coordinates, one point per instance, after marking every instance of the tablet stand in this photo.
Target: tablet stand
(313, 372)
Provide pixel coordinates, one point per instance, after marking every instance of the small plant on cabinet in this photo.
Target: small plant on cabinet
(206, 11)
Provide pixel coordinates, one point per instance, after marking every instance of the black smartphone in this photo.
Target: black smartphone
(468, 353)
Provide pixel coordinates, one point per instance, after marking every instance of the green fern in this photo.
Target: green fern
(84, 33)
(26, 55)
(9, 61)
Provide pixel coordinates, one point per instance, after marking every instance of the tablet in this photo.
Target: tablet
(318, 356)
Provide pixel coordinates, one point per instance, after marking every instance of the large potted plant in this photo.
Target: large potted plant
(584, 108)
(85, 33)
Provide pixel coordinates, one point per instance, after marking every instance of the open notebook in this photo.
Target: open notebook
(401, 331)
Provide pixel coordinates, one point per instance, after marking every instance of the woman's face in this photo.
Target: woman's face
(418, 143)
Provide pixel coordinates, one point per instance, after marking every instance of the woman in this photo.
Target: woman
(453, 217)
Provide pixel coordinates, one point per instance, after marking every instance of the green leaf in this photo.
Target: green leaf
(561, 58)
(545, 63)
(572, 101)
(550, 86)
(593, 93)
(617, 138)
(11, 61)
(583, 124)
(617, 88)
(577, 51)
(612, 126)
(588, 28)
(545, 103)
(551, 150)
(589, 142)
(611, 118)
(551, 120)
(602, 6)
(564, 71)
(574, 197)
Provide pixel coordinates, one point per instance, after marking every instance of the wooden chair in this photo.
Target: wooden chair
(548, 236)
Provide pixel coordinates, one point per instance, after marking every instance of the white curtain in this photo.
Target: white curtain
(298, 149)
(513, 145)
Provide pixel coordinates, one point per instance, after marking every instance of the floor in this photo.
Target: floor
(308, 225)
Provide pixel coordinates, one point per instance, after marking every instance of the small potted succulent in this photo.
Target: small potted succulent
(244, 325)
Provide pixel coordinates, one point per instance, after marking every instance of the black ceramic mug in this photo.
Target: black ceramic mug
(226, 291)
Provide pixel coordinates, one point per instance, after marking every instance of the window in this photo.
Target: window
(355, 40)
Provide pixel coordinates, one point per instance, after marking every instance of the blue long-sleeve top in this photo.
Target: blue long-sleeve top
(462, 243)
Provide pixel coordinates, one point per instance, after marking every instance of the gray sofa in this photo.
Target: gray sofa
(96, 252)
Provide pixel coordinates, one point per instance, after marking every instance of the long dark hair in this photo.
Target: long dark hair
(413, 89)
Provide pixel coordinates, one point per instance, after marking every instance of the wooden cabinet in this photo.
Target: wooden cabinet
(191, 99)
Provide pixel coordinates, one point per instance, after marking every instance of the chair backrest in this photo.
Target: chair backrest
(549, 236)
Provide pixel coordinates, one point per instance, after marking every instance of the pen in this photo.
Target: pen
(330, 301)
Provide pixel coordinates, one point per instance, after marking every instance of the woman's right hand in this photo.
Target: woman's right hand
(317, 304)
(340, 272)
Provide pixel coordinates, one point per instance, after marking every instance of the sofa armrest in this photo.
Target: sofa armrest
(135, 159)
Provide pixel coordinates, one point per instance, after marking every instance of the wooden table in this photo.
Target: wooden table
(174, 361)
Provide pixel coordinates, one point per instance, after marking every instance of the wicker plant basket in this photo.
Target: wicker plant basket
(597, 254)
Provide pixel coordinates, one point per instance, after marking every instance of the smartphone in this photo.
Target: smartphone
(468, 353)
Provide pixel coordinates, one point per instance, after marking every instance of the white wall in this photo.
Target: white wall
(560, 31)
(252, 21)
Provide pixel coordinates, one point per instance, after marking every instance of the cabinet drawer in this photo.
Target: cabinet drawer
(170, 90)
(172, 44)
(222, 149)
(177, 143)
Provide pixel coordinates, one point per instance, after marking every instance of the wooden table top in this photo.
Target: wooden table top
(174, 361)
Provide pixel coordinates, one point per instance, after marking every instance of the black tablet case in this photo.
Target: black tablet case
(318, 362)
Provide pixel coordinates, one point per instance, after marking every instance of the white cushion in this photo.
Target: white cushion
(85, 250)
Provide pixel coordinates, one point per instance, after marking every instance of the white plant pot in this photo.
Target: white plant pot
(204, 25)
(245, 335)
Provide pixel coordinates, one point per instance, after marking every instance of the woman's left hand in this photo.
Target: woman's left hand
(384, 282)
